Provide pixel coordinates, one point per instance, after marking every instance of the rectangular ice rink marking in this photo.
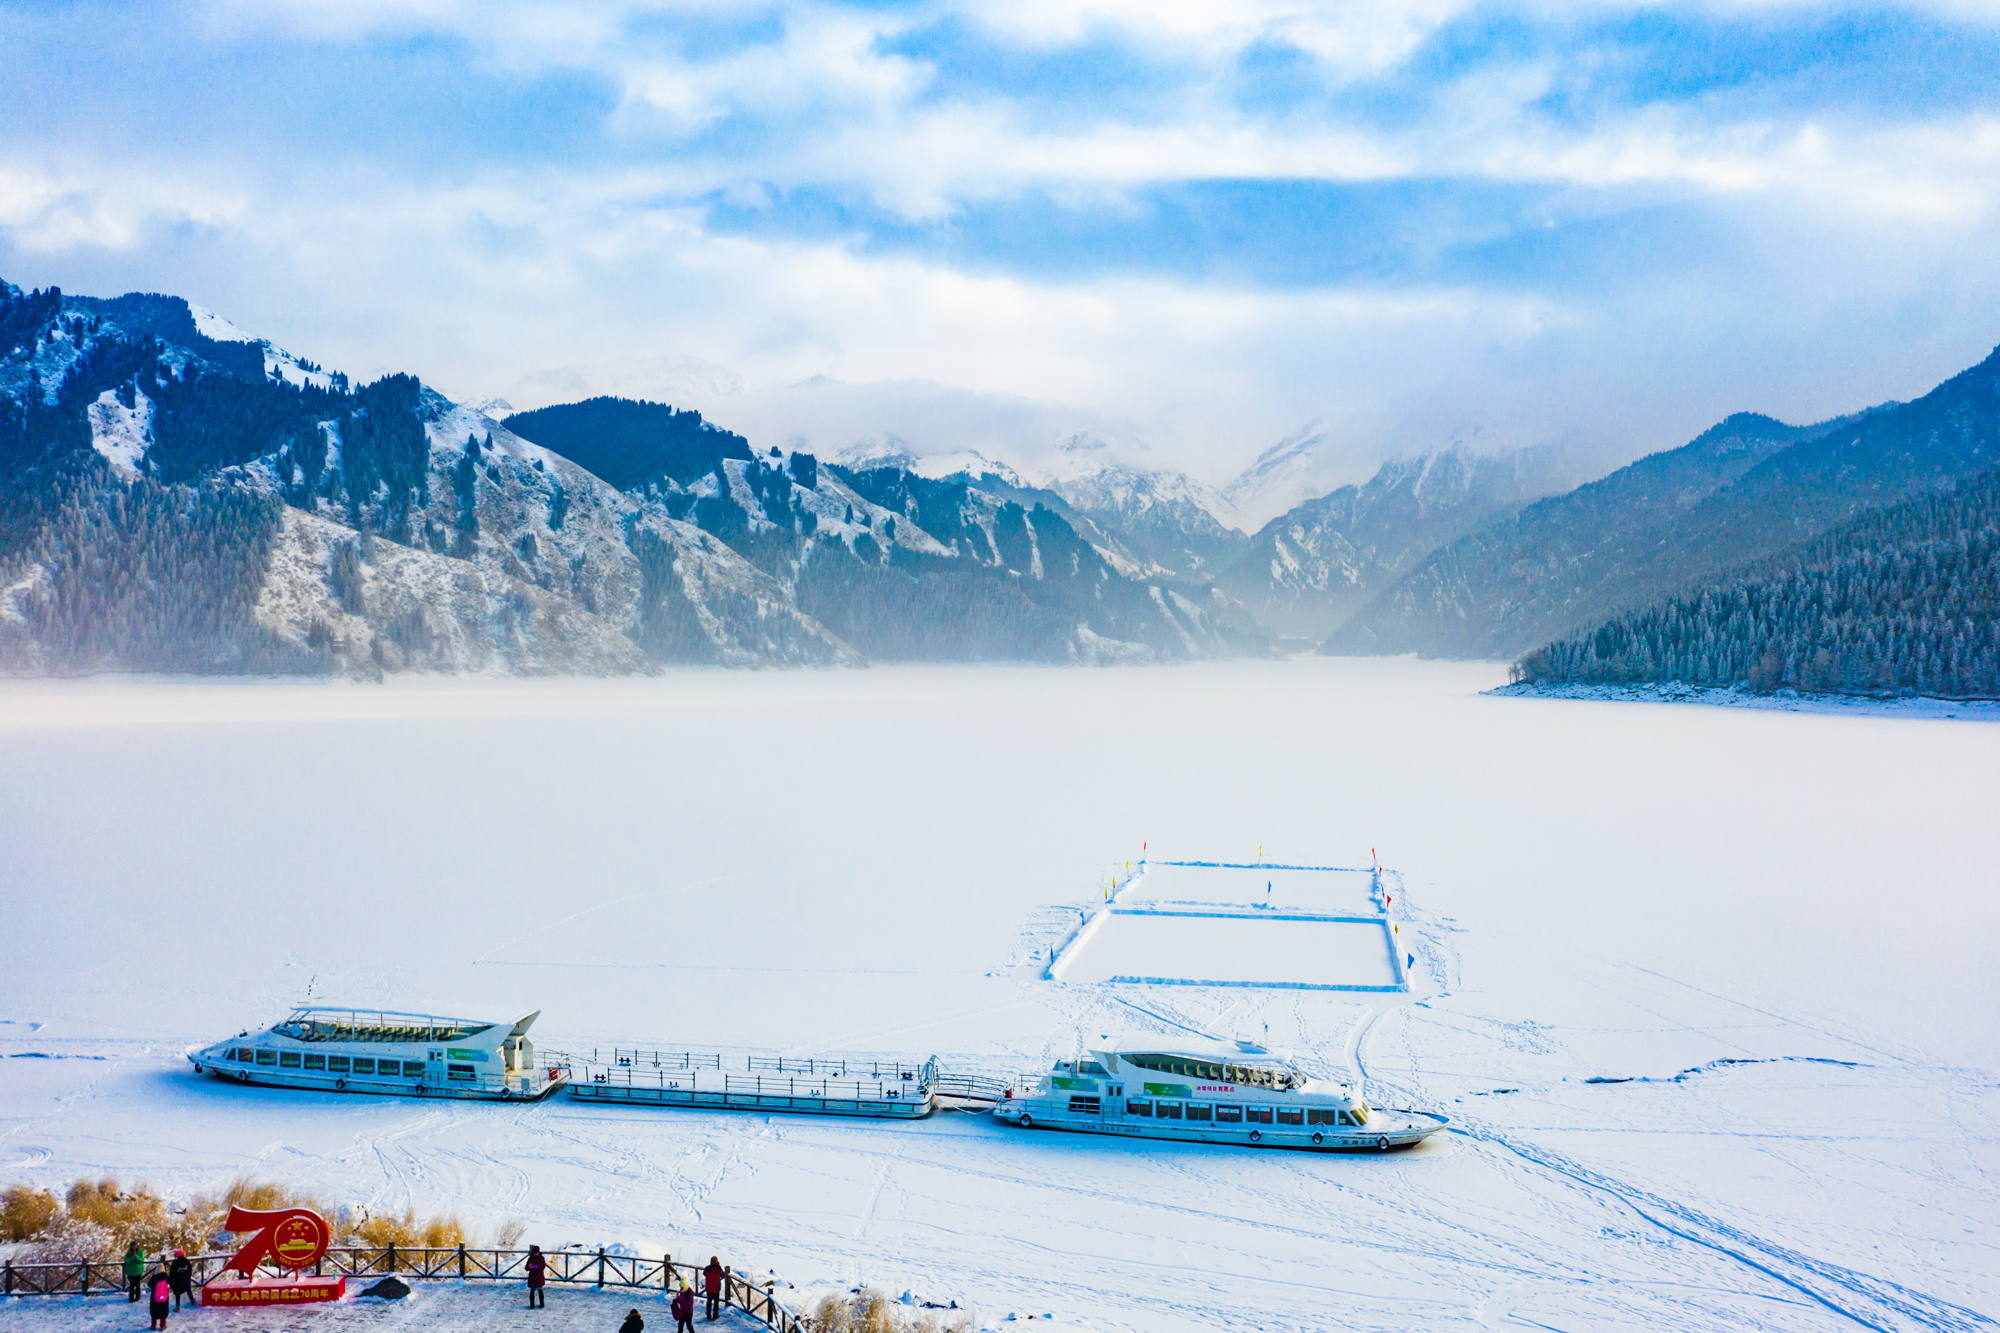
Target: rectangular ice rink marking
(1163, 947)
(1344, 892)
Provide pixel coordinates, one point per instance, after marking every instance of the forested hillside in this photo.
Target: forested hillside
(1904, 599)
(1747, 488)
(176, 495)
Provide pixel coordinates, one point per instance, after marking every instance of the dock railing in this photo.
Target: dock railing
(592, 1268)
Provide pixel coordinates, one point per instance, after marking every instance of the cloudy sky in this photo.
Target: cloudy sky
(988, 224)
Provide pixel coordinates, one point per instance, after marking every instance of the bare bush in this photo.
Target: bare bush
(25, 1212)
(871, 1311)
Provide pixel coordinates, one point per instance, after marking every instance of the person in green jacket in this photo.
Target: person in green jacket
(135, 1270)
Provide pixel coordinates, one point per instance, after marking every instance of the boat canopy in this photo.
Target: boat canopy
(314, 1023)
(1245, 1065)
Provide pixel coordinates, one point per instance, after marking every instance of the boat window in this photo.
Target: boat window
(1360, 1114)
(1138, 1108)
(1257, 1115)
(1083, 1106)
(288, 1059)
(1168, 1111)
(1091, 1067)
(1315, 1116)
(1291, 1115)
(1346, 1119)
(267, 1057)
(413, 1069)
(363, 1065)
(336, 1064)
(460, 1073)
(315, 1062)
(1228, 1115)
(1195, 1112)
(241, 1055)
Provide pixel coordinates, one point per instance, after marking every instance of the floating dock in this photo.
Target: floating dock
(714, 1080)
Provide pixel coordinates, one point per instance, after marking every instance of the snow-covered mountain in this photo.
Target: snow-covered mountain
(1310, 569)
(176, 494)
(1300, 467)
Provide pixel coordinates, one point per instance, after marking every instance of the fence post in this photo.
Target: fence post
(600, 1265)
(10, 1277)
(666, 1272)
(392, 1258)
(86, 1277)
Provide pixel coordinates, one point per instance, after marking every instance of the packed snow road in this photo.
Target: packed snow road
(1706, 993)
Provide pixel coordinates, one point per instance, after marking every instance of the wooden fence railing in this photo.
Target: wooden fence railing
(598, 1268)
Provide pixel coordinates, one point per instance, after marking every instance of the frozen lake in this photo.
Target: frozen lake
(1773, 929)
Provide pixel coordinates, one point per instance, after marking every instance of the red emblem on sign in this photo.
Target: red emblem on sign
(291, 1238)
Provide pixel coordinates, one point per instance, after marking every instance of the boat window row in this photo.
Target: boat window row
(338, 1064)
(1237, 1115)
(1214, 1071)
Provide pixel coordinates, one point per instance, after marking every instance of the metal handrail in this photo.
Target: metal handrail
(887, 1088)
(840, 1067)
(598, 1268)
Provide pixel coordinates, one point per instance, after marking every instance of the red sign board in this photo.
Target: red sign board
(293, 1238)
(264, 1291)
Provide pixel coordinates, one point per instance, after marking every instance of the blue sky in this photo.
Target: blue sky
(1187, 229)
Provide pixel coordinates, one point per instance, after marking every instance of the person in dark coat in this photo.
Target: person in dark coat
(711, 1277)
(633, 1324)
(135, 1270)
(180, 1276)
(163, 1291)
(683, 1309)
(538, 1274)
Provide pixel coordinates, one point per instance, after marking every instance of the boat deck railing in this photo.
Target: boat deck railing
(886, 1081)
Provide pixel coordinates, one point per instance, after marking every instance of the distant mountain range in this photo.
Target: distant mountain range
(177, 495)
(1744, 490)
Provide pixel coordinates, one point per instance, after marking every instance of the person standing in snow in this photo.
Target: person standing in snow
(712, 1279)
(633, 1324)
(180, 1276)
(538, 1270)
(683, 1309)
(163, 1290)
(135, 1270)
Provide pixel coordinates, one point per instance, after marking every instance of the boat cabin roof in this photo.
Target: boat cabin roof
(331, 1023)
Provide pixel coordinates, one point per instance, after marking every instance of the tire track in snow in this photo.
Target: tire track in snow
(1869, 1301)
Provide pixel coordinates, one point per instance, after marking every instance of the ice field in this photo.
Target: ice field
(1707, 993)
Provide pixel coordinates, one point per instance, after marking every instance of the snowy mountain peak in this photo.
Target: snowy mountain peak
(211, 325)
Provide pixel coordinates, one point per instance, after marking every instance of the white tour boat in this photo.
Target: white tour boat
(1238, 1094)
(379, 1051)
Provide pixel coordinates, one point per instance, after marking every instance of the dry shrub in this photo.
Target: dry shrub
(26, 1212)
(96, 1220)
(871, 1311)
(410, 1232)
(508, 1235)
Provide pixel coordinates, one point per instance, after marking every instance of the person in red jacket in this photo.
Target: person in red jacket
(682, 1309)
(711, 1277)
(538, 1273)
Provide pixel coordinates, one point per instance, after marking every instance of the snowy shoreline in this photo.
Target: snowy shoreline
(1781, 701)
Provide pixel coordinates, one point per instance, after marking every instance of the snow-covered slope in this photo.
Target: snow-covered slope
(1310, 569)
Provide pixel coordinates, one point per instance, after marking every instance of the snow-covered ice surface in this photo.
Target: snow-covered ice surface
(1177, 945)
(1773, 929)
(1349, 892)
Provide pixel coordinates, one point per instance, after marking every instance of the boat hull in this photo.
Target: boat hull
(1403, 1129)
(373, 1087)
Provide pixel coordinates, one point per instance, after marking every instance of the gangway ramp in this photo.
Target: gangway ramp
(738, 1081)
